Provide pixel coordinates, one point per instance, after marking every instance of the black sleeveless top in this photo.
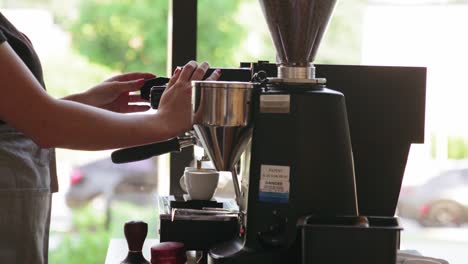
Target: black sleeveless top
(24, 49)
(22, 46)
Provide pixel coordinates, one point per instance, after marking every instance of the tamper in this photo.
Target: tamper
(135, 234)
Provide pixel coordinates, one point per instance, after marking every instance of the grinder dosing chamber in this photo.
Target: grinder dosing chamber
(222, 122)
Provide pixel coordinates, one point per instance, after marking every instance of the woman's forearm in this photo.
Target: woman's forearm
(78, 97)
(77, 126)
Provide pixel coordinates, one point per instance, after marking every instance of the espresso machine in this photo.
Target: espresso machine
(316, 176)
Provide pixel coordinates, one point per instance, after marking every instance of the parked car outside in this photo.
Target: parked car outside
(127, 181)
(441, 201)
(104, 178)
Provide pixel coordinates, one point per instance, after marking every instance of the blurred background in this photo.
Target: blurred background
(82, 42)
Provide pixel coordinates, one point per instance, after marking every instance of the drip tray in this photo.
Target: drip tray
(197, 232)
(187, 203)
(344, 239)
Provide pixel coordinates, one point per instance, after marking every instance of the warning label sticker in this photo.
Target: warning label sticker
(274, 183)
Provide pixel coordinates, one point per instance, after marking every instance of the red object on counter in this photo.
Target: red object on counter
(168, 253)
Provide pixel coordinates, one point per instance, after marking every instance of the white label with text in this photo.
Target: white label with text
(274, 183)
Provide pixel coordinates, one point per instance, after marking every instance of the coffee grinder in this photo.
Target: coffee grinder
(298, 159)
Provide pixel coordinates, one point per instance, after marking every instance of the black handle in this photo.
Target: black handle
(156, 94)
(145, 90)
(145, 151)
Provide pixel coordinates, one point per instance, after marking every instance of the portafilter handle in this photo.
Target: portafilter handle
(145, 90)
(143, 152)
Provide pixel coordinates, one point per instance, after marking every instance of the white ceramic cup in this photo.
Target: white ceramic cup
(200, 184)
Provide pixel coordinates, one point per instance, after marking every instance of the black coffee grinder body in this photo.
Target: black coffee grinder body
(299, 163)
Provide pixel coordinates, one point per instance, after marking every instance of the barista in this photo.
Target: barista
(32, 123)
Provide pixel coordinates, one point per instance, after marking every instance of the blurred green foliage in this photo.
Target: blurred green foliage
(132, 36)
(89, 240)
(457, 148)
(342, 41)
(123, 35)
(86, 243)
(219, 32)
(68, 72)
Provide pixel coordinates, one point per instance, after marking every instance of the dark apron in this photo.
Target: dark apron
(26, 188)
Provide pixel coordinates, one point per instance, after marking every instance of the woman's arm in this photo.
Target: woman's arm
(62, 123)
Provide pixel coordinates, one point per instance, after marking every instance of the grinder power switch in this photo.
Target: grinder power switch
(275, 236)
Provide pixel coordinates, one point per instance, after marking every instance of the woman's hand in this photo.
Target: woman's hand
(114, 94)
(175, 105)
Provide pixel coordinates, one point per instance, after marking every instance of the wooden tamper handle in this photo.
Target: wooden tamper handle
(135, 234)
